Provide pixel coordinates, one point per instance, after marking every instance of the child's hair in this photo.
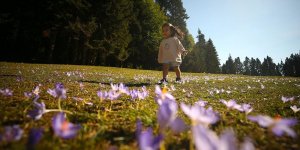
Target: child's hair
(175, 31)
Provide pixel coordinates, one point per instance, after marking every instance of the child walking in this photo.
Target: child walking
(170, 51)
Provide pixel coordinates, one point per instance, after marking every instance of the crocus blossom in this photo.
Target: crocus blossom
(200, 115)
(295, 109)
(6, 92)
(59, 91)
(35, 136)
(162, 94)
(11, 133)
(277, 125)
(286, 99)
(146, 140)
(63, 128)
(38, 111)
(167, 116)
(206, 139)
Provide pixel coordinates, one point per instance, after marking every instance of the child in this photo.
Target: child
(170, 51)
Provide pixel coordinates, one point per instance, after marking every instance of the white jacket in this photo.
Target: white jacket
(170, 50)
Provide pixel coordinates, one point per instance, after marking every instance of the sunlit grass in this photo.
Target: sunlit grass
(107, 124)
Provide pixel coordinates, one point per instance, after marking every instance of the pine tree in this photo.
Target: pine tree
(211, 58)
(246, 66)
(238, 65)
(229, 66)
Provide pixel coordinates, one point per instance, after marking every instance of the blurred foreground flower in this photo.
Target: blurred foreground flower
(11, 133)
(63, 128)
(167, 116)
(35, 136)
(206, 139)
(146, 140)
(277, 125)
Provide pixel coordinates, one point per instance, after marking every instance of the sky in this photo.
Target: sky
(253, 28)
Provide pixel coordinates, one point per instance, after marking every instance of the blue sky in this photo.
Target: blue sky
(253, 28)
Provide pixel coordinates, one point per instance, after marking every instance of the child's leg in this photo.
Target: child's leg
(165, 70)
(178, 72)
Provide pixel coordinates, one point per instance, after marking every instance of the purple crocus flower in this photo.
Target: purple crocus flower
(102, 95)
(6, 92)
(167, 116)
(206, 139)
(201, 103)
(278, 125)
(37, 113)
(35, 136)
(246, 108)
(146, 140)
(58, 92)
(286, 99)
(11, 133)
(162, 95)
(200, 115)
(229, 104)
(63, 128)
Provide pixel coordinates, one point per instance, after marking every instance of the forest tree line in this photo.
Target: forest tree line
(120, 33)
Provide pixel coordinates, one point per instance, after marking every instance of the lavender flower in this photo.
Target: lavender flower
(58, 92)
(35, 136)
(40, 109)
(63, 128)
(11, 133)
(286, 99)
(102, 95)
(246, 108)
(278, 125)
(206, 139)
(6, 92)
(201, 103)
(146, 141)
(162, 95)
(167, 116)
(230, 103)
(200, 115)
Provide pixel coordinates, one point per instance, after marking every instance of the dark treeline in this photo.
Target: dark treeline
(291, 66)
(119, 33)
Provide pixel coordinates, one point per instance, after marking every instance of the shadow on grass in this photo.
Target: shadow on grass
(126, 84)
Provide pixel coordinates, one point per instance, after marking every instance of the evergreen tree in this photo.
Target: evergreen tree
(258, 66)
(229, 66)
(268, 67)
(253, 69)
(211, 58)
(291, 66)
(238, 65)
(246, 66)
(146, 35)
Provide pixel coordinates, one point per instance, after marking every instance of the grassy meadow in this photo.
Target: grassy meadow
(111, 124)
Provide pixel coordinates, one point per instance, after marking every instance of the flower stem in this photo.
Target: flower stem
(59, 105)
(55, 110)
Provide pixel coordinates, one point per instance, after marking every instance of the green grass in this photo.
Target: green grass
(103, 129)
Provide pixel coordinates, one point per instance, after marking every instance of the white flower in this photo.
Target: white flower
(295, 109)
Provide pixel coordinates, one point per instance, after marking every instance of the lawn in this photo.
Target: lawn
(109, 121)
